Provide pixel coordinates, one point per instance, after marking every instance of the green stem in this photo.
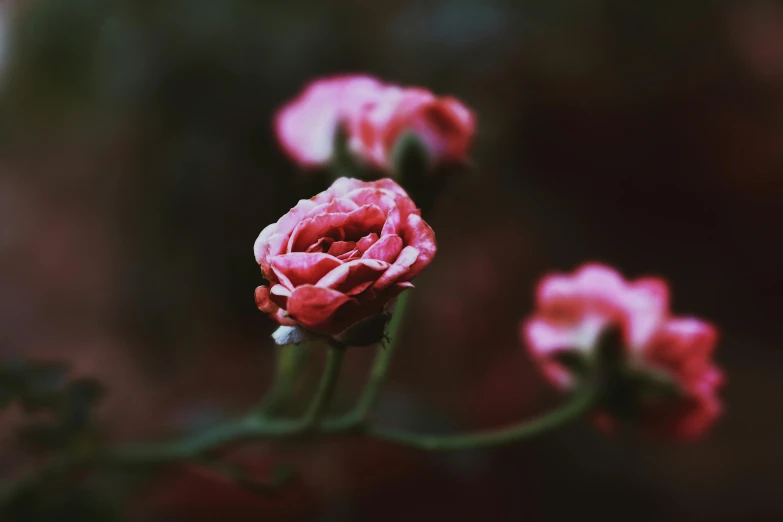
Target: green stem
(577, 408)
(326, 387)
(382, 362)
(252, 427)
(290, 361)
(193, 446)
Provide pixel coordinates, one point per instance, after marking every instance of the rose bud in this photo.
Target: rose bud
(655, 370)
(375, 117)
(342, 256)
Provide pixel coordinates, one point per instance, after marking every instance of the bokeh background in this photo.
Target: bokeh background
(138, 163)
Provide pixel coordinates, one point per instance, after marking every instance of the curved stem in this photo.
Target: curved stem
(579, 406)
(290, 361)
(193, 446)
(382, 362)
(326, 387)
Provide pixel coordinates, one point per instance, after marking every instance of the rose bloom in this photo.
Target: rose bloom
(375, 116)
(340, 256)
(574, 310)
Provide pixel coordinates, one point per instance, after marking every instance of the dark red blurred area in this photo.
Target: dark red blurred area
(138, 164)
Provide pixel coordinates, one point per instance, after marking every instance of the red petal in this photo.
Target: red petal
(383, 199)
(350, 256)
(319, 309)
(279, 295)
(339, 248)
(319, 246)
(359, 222)
(352, 277)
(336, 206)
(270, 308)
(366, 242)
(393, 223)
(301, 268)
(385, 249)
(398, 270)
(420, 236)
(342, 186)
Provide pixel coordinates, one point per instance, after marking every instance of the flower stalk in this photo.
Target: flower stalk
(254, 428)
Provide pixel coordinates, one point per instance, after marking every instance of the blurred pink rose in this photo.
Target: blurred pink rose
(444, 126)
(340, 256)
(306, 126)
(574, 310)
(375, 116)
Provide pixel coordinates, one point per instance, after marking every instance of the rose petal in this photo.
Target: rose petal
(362, 220)
(301, 268)
(420, 236)
(683, 347)
(286, 224)
(306, 126)
(399, 269)
(385, 249)
(339, 248)
(342, 186)
(348, 277)
(445, 127)
(270, 239)
(267, 247)
(279, 295)
(336, 206)
(647, 303)
(393, 223)
(350, 256)
(381, 198)
(261, 245)
(318, 308)
(392, 186)
(366, 242)
(401, 198)
(319, 246)
(270, 308)
(544, 340)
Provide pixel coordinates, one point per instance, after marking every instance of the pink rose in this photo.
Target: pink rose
(574, 310)
(340, 256)
(375, 116)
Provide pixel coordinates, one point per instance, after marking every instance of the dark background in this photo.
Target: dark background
(138, 164)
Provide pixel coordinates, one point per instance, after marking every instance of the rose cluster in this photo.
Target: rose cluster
(341, 256)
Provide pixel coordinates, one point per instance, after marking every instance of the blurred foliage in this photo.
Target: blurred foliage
(59, 501)
(43, 391)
